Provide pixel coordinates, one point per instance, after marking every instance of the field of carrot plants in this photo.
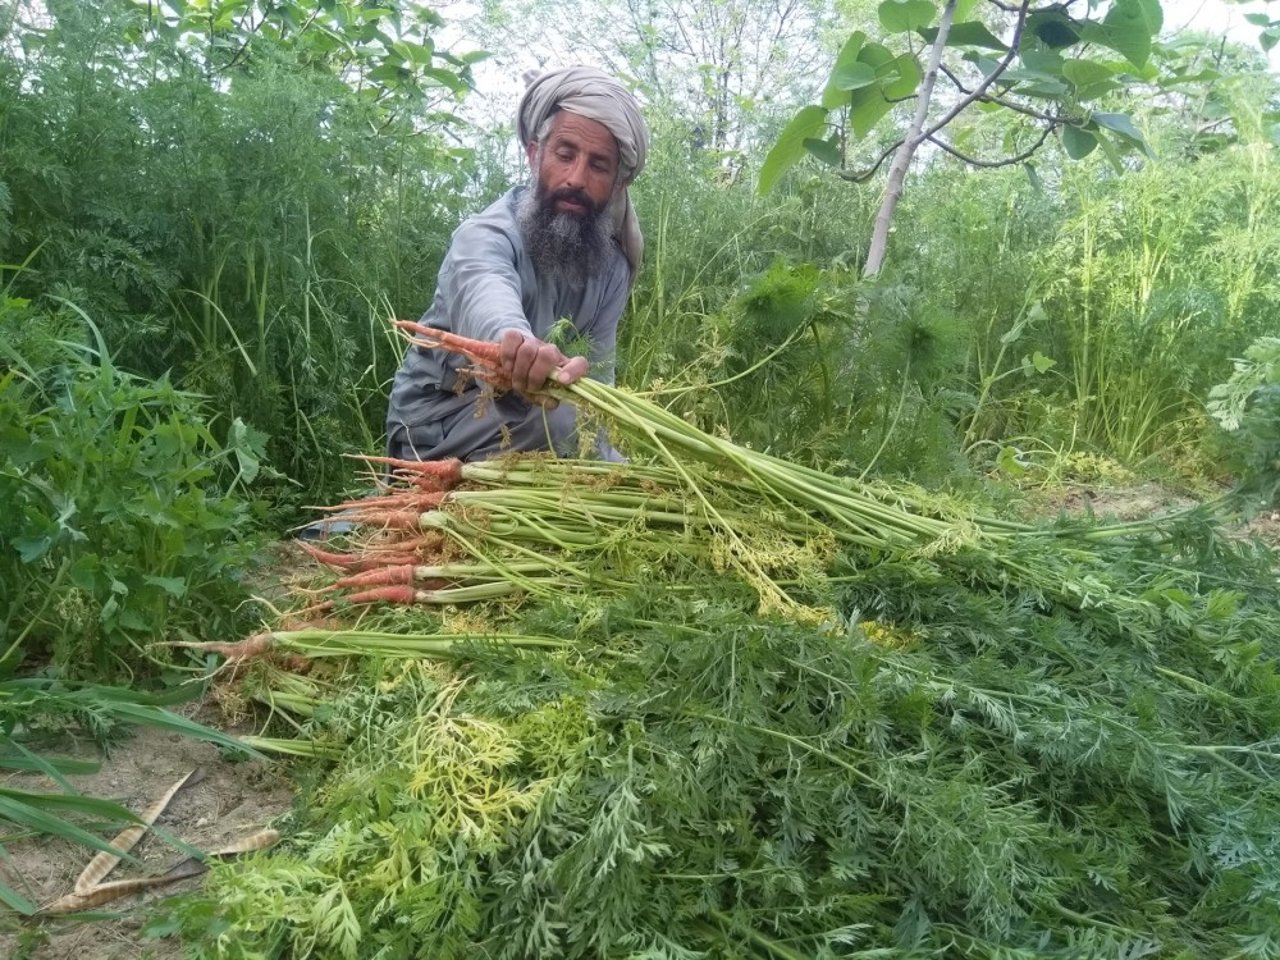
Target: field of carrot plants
(850, 657)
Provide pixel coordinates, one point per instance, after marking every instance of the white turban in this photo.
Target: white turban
(593, 94)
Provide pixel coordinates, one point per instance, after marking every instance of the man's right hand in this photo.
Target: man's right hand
(530, 362)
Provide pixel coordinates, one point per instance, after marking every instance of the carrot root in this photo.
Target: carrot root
(401, 594)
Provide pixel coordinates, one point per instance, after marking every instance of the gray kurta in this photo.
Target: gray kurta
(487, 284)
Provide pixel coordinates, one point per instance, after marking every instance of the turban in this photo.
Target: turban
(593, 94)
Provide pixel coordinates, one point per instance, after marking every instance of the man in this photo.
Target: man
(564, 247)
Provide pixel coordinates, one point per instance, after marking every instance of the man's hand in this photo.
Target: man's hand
(530, 362)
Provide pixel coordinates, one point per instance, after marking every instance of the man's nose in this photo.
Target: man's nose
(577, 173)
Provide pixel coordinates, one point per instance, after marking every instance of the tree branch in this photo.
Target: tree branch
(989, 98)
(1051, 8)
(991, 164)
(982, 88)
(860, 176)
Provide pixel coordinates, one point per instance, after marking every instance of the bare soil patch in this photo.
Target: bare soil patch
(235, 799)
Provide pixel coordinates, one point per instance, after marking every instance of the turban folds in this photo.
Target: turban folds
(593, 94)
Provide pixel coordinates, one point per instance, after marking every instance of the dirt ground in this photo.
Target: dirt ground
(234, 800)
(1137, 501)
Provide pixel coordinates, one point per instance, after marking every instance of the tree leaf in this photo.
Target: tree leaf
(1122, 127)
(1082, 73)
(1111, 153)
(1054, 29)
(907, 79)
(1033, 176)
(1077, 142)
(903, 16)
(833, 95)
(1042, 59)
(853, 77)
(824, 150)
(969, 34)
(790, 147)
(1127, 29)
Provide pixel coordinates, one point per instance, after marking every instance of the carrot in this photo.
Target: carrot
(449, 469)
(254, 646)
(484, 352)
(405, 499)
(390, 576)
(388, 519)
(380, 577)
(344, 561)
(401, 594)
(355, 562)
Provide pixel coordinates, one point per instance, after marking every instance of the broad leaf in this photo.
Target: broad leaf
(1123, 128)
(1078, 143)
(834, 94)
(1111, 153)
(970, 34)
(899, 77)
(903, 16)
(805, 125)
(909, 75)
(1082, 73)
(1036, 56)
(853, 77)
(1054, 29)
(1128, 29)
(825, 150)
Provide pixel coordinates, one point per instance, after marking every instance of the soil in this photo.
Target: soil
(1142, 500)
(232, 801)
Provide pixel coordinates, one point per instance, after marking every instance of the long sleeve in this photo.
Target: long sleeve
(480, 283)
(603, 332)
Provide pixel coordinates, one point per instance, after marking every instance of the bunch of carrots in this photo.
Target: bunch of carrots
(448, 532)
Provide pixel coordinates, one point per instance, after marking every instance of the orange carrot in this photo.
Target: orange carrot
(484, 352)
(449, 469)
(401, 594)
(405, 500)
(388, 519)
(380, 577)
(254, 646)
(357, 561)
(343, 560)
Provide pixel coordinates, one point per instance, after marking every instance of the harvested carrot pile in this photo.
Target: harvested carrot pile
(744, 709)
(448, 532)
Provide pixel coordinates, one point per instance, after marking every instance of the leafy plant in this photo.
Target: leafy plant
(115, 533)
(1247, 406)
(941, 765)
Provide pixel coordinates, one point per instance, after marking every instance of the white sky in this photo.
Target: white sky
(1218, 17)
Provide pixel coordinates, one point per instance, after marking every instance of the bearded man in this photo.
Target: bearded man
(564, 247)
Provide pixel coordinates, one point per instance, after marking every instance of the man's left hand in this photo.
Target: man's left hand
(530, 362)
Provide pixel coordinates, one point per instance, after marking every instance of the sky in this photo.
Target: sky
(1217, 17)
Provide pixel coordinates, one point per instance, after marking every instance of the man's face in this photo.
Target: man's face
(576, 165)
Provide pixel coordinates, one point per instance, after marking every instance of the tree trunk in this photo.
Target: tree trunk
(902, 158)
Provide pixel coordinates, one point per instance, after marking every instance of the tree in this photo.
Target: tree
(1046, 67)
(720, 64)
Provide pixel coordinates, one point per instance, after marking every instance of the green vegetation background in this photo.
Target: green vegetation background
(201, 247)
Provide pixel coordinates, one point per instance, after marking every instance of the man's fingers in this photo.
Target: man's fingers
(572, 370)
(508, 344)
(530, 362)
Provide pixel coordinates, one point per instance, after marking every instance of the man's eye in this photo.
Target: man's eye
(564, 156)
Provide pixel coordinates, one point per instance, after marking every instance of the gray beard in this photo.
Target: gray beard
(565, 248)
